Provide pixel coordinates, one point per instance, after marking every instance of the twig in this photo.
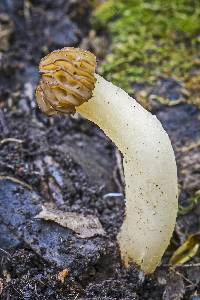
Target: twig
(12, 140)
(190, 147)
(182, 266)
(3, 122)
(176, 102)
(120, 165)
(172, 268)
(182, 276)
(4, 251)
(112, 195)
(15, 180)
(118, 173)
(27, 7)
(76, 296)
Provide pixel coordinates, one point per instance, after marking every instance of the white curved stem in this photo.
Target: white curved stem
(149, 169)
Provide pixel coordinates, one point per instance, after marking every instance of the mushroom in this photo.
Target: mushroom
(69, 84)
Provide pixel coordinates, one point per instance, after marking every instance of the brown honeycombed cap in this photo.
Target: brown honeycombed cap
(67, 80)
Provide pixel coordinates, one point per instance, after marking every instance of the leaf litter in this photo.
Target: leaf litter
(85, 226)
(187, 250)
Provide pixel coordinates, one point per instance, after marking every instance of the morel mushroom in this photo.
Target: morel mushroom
(68, 84)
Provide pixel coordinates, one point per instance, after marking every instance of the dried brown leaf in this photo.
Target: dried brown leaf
(84, 226)
(62, 275)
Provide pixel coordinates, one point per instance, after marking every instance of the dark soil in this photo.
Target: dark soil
(68, 163)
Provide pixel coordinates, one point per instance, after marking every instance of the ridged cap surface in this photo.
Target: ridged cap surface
(67, 80)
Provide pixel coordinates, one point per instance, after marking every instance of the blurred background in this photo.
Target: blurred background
(150, 48)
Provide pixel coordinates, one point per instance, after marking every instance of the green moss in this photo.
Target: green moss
(149, 38)
(192, 203)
